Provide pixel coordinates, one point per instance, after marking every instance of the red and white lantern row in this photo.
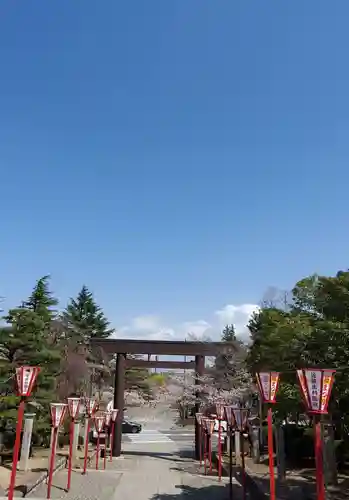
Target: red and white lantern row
(316, 387)
(26, 377)
(58, 411)
(74, 407)
(268, 383)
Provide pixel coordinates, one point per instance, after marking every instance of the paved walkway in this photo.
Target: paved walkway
(159, 472)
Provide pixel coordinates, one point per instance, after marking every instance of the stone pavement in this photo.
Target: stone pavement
(159, 472)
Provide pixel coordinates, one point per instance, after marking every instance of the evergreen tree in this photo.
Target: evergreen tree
(228, 334)
(24, 341)
(42, 301)
(228, 369)
(85, 318)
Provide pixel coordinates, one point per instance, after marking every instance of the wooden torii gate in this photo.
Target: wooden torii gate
(123, 347)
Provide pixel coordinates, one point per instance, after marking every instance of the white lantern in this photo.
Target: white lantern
(73, 407)
(58, 411)
(26, 377)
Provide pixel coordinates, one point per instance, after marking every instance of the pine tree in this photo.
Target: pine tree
(228, 363)
(85, 318)
(228, 334)
(24, 341)
(42, 301)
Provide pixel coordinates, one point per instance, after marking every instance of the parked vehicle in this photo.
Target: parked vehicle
(128, 427)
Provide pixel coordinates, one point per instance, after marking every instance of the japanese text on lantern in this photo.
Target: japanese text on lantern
(314, 386)
(265, 383)
(273, 385)
(27, 375)
(326, 385)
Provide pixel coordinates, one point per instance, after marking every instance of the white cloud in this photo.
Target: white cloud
(152, 327)
(146, 323)
(238, 316)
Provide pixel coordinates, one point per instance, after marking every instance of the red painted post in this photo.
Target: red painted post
(210, 451)
(52, 461)
(58, 411)
(25, 378)
(105, 452)
(70, 460)
(205, 452)
(97, 452)
(316, 386)
(88, 427)
(73, 408)
(16, 449)
(243, 469)
(271, 454)
(112, 440)
(320, 484)
(200, 440)
(219, 450)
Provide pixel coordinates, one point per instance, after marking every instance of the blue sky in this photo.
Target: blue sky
(177, 157)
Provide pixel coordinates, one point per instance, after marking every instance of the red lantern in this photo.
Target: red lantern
(220, 410)
(58, 411)
(107, 417)
(99, 423)
(114, 414)
(90, 406)
(74, 407)
(26, 377)
(209, 426)
(199, 417)
(229, 415)
(240, 416)
(316, 386)
(268, 383)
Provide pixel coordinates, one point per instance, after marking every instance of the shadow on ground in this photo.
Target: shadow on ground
(300, 488)
(177, 456)
(210, 492)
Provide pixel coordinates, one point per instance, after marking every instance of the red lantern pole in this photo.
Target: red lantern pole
(268, 383)
(229, 415)
(99, 422)
(210, 428)
(240, 419)
(16, 449)
(204, 424)
(220, 417)
(57, 414)
(73, 407)
(97, 451)
(25, 377)
(114, 413)
(271, 454)
(107, 419)
(316, 387)
(320, 483)
(88, 428)
(90, 405)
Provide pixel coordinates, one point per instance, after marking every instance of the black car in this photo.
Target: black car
(129, 427)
